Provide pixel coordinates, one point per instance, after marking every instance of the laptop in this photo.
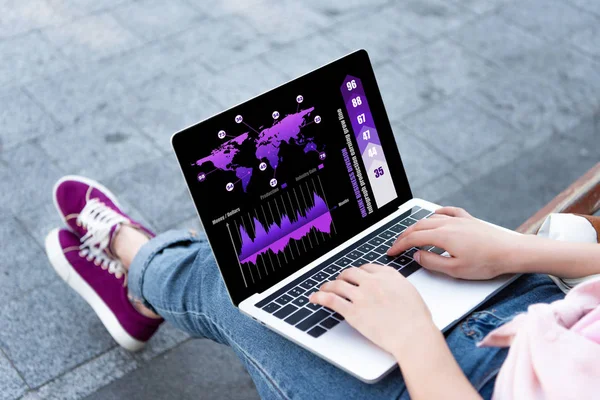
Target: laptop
(299, 183)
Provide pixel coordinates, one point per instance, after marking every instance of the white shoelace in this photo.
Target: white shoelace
(102, 260)
(98, 219)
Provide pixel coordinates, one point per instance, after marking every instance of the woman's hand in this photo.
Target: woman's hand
(379, 302)
(478, 250)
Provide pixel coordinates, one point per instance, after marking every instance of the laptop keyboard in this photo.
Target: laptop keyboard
(291, 304)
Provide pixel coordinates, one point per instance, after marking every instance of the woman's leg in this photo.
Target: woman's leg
(175, 275)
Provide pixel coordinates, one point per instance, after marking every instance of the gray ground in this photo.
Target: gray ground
(495, 104)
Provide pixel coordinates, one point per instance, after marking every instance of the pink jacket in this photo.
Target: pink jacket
(554, 348)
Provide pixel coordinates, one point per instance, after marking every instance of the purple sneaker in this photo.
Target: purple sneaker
(102, 282)
(91, 211)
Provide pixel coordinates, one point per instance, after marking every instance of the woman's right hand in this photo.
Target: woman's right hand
(477, 250)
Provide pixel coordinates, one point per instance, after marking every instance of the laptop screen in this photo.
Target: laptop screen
(282, 179)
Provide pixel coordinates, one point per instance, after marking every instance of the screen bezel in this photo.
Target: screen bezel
(182, 139)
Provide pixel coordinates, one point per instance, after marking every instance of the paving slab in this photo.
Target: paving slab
(550, 19)
(346, 11)
(23, 265)
(482, 6)
(170, 102)
(445, 66)
(157, 189)
(18, 17)
(284, 21)
(10, 382)
(223, 7)
(91, 38)
(28, 177)
(198, 369)
(165, 339)
(305, 55)
(50, 331)
(153, 19)
(86, 378)
(586, 40)
(438, 189)
(589, 5)
(382, 44)
(68, 96)
(429, 18)
(422, 162)
(403, 95)
(459, 129)
(22, 118)
(99, 145)
(78, 8)
(27, 57)
(496, 40)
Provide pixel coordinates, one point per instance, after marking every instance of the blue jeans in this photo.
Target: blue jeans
(176, 275)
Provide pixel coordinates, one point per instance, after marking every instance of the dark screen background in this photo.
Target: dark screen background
(320, 89)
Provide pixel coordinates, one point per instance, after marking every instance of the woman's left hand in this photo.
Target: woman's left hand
(379, 302)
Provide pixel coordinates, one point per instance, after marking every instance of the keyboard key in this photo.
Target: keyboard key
(422, 213)
(410, 252)
(313, 320)
(329, 323)
(298, 316)
(342, 262)
(332, 269)
(271, 307)
(376, 241)
(397, 229)
(381, 249)
(283, 300)
(313, 306)
(334, 276)
(385, 260)
(320, 277)
(311, 291)
(300, 301)
(338, 316)
(308, 284)
(426, 248)
(365, 248)
(437, 250)
(295, 292)
(370, 257)
(408, 221)
(285, 311)
(402, 260)
(316, 331)
(359, 262)
(388, 235)
(354, 254)
(410, 269)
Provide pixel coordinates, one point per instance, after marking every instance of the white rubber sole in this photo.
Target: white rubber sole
(87, 181)
(64, 269)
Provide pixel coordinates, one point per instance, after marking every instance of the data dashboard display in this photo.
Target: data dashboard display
(282, 179)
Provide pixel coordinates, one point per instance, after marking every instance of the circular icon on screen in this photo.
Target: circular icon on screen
(262, 166)
(275, 114)
(238, 119)
(317, 119)
(273, 182)
(201, 177)
(322, 156)
(299, 99)
(229, 187)
(221, 135)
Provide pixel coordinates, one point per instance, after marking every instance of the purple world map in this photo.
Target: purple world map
(267, 146)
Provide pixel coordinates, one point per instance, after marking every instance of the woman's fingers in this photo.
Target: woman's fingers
(424, 224)
(331, 300)
(431, 237)
(353, 275)
(453, 212)
(434, 262)
(341, 288)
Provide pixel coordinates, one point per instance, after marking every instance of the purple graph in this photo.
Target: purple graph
(277, 237)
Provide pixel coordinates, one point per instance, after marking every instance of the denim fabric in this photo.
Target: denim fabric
(176, 274)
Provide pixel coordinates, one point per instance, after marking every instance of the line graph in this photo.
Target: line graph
(282, 229)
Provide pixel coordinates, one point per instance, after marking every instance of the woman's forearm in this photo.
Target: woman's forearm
(562, 259)
(429, 369)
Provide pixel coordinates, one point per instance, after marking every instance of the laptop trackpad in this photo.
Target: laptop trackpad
(450, 299)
